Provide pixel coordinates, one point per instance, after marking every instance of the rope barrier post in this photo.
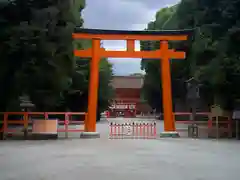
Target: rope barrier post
(118, 130)
(115, 130)
(143, 126)
(151, 130)
(133, 130)
(147, 130)
(155, 129)
(136, 129)
(122, 131)
(140, 125)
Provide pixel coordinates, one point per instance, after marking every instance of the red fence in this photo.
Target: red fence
(207, 123)
(212, 125)
(141, 130)
(25, 119)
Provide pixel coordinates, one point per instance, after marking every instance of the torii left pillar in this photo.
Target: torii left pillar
(90, 122)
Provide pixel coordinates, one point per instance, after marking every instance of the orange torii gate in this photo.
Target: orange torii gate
(163, 53)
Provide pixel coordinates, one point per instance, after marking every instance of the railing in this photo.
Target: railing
(132, 130)
(25, 121)
(210, 125)
(189, 121)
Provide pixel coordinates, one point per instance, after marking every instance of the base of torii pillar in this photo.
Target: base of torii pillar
(169, 134)
(90, 135)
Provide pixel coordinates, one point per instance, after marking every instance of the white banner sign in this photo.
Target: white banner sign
(123, 106)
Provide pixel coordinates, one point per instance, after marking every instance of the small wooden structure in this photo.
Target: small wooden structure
(220, 122)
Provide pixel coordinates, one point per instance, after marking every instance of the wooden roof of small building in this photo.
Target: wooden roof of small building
(127, 82)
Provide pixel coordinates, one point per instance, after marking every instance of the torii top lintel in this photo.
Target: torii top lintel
(130, 36)
(168, 35)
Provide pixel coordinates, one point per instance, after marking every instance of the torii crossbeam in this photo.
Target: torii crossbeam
(163, 53)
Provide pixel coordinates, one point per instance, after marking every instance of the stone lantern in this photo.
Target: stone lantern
(192, 97)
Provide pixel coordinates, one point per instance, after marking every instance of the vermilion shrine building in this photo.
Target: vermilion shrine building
(127, 101)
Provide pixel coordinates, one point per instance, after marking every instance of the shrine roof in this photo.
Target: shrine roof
(127, 82)
(125, 32)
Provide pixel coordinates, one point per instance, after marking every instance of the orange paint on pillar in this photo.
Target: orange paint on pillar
(169, 120)
(90, 125)
(130, 45)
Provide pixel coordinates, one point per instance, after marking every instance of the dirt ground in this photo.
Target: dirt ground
(128, 159)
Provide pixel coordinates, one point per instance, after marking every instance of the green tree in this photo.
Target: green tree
(36, 51)
(37, 59)
(152, 90)
(212, 56)
(106, 92)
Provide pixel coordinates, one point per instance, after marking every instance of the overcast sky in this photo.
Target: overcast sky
(122, 15)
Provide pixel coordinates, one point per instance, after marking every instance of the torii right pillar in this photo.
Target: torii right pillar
(169, 117)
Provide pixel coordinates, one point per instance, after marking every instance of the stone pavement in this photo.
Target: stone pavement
(91, 159)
